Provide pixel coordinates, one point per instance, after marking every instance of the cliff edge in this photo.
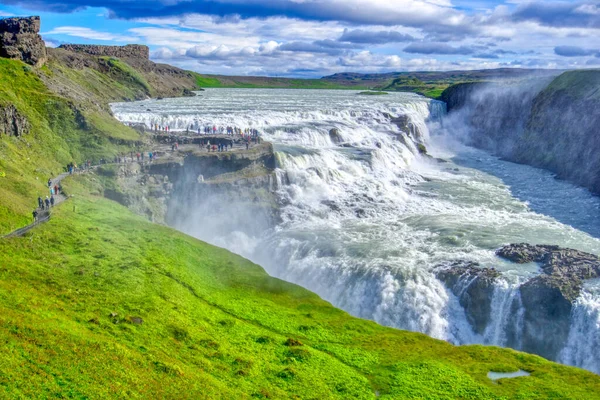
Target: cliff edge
(20, 40)
(551, 124)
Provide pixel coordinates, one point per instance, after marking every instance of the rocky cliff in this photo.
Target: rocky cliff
(552, 124)
(20, 40)
(129, 51)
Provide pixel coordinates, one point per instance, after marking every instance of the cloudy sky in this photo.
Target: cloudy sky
(312, 38)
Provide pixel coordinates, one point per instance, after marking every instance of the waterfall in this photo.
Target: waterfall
(365, 218)
(583, 345)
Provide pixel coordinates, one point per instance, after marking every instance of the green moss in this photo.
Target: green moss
(101, 303)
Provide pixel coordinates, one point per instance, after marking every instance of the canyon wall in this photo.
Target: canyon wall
(551, 124)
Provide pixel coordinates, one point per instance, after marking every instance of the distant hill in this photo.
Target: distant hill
(427, 83)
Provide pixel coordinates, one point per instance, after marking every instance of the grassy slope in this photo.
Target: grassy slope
(214, 325)
(61, 132)
(581, 84)
(69, 123)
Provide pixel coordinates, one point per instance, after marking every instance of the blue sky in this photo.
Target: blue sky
(312, 38)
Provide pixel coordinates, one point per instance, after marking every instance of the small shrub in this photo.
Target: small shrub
(180, 334)
(292, 342)
(287, 374)
(263, 340)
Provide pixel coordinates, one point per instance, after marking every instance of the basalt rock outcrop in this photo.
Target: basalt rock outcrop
(20, 40)
(12, 122)
(473, 286)
(136, 51)
(546, 300)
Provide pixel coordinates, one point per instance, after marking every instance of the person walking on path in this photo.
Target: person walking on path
(35, 215)
(40, 202)
(52, 201)
(49, 182)
(47, 202)
(55, 189)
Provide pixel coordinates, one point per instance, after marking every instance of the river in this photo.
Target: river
(364, 222)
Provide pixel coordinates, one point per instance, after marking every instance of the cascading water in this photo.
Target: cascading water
(365, 219)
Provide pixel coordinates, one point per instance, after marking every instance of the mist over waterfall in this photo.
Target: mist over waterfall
(365, 219)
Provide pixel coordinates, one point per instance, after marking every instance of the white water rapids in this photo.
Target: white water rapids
(363, 223)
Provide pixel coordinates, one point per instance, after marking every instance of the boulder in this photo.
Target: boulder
(20, 40)
(402, 122)
(474, 287)
(545, 301)
(563, 269)
(334, 135)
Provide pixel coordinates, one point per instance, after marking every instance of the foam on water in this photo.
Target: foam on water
(364, 224)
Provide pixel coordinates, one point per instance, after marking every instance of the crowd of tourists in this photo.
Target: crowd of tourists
(211, 130)
(44, 204)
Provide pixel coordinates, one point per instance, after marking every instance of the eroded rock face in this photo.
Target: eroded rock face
(12, 123)
(20, 40)
(474, 287)
(129, 51)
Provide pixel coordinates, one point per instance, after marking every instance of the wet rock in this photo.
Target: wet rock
(564, 269)
(20, 40)
(332, 205)
(334, 135)
(474, 288)
(402, 122)
(188, 93)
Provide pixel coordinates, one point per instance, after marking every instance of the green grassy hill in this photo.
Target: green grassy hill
(100, 303)
(65, 106)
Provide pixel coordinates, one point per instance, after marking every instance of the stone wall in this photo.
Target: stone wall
(129, 51)
(20, 40)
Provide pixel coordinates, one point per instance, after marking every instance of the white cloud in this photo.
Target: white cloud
(87, 33)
